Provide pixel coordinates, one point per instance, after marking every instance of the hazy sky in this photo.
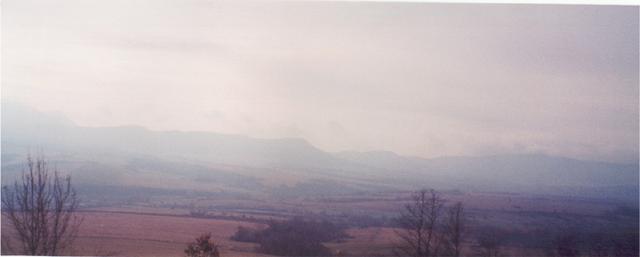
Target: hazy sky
(414, 78)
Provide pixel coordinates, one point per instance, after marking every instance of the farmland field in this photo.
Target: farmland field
(319, 128)
(163, 227)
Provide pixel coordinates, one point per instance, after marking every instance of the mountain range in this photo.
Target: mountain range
(139, 157)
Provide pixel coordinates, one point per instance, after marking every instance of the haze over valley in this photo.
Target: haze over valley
(319, 128)
(136, 156)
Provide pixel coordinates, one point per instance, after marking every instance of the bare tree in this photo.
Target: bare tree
(41, 208)
(202, 247)
(418, 225)
(454, 228)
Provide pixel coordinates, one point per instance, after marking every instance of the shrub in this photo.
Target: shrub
(202, 247)
(294, 237)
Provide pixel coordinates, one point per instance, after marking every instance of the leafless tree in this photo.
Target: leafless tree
(202, 247)
(41, 208)
(454, 228)
(418, 224)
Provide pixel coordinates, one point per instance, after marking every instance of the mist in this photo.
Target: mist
(424, 80)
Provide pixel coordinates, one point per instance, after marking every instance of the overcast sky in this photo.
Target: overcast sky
(414, 78)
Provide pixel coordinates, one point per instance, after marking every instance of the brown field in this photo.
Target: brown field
(152, 228)
(152, 235)
(121, 234)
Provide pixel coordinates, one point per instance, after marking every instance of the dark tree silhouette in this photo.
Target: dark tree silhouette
(202, 247)
(41, 208)
(418, 224)
(298, 237)
(245, 234)
(454, 228)
(294, 237)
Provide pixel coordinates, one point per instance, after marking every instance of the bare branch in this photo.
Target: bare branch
(418, 224)
(41, 207)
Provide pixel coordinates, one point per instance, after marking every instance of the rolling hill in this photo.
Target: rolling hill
(135, 156)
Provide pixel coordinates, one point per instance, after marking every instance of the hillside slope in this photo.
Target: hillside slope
(208, 161)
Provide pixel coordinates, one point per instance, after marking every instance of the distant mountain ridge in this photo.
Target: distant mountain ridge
(529, 168)
(222, 158)
(30, 128)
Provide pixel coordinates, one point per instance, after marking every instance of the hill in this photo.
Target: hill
(136, 156)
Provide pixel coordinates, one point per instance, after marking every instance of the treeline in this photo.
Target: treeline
(293, 237)
(558, 242)
(429, 227)
(615, 233)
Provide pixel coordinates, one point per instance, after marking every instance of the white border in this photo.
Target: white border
(558, 2)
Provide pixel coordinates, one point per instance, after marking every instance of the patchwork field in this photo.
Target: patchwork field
(163, 226)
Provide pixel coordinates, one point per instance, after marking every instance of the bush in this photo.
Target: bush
(202, 247)
(294, 237)
(245, 234)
